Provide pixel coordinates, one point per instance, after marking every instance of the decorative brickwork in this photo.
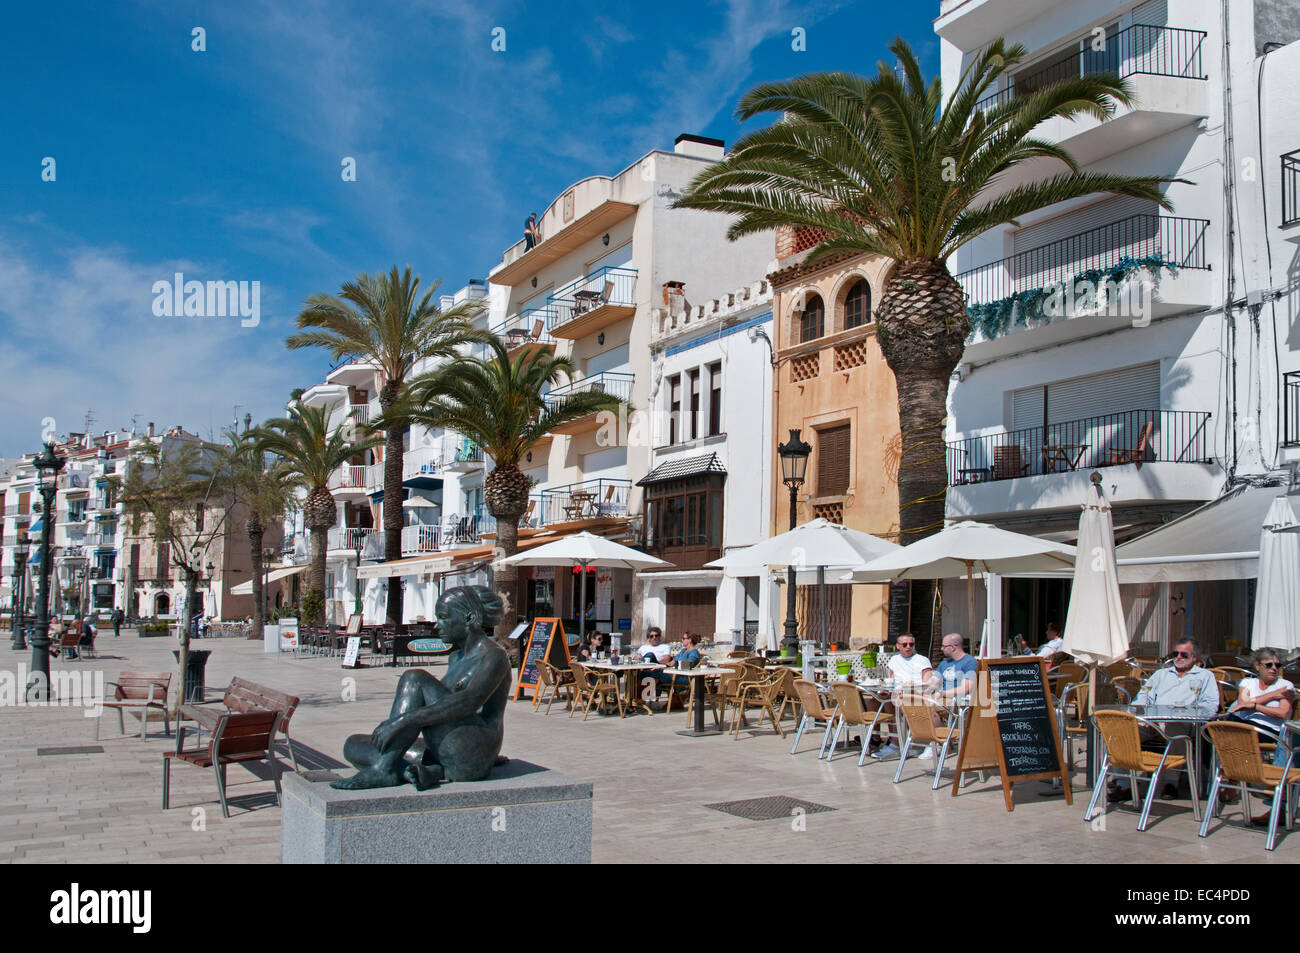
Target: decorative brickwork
(805, 368)
(831, 512)
(849, 355)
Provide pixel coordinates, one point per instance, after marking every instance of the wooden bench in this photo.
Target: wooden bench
(245, 696)
(237, 738)
(139, 691)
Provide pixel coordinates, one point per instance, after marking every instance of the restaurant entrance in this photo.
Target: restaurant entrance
(1029, 604)
(690, 610)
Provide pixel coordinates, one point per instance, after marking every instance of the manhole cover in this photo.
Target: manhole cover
(79, 749)
(768, 808)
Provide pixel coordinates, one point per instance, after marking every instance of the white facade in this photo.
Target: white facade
(1186, 372)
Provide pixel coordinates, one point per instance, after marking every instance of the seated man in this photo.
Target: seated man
(906, 668)
(955, 677)
(690, 654)
(654, 649)
(1055, 639)
(1184, 685)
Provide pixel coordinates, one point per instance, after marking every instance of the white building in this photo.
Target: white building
(709, 486)
(1174, 387)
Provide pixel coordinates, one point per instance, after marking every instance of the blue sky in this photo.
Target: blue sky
(226, 164)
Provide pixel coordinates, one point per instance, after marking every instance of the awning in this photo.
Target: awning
(246, 588)
(414, 566)
(1219, 540)
(683, 468)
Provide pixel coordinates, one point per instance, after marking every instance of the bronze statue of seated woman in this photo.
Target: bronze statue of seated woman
(461, 716)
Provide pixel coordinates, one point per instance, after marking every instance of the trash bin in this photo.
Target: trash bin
(194, 673)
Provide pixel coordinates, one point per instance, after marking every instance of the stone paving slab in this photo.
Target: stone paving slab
(650, 787)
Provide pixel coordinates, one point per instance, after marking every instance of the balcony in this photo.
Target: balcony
(347, 538)
(1291, 409)
(596, 301)
(1144, 455)
(590, 499)
(74, 480)
(360, 413)
(463, 456)
(615, 383)
(418, 463)
(1130, 271)
(1163, 64)
(419, 539)
(1291, 188)
(349, 479)
(526, 331)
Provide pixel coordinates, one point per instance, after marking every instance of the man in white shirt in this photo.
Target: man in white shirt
(1054, 641)
(905, 668)
(655, 646)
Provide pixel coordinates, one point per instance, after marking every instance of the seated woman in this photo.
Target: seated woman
(690, 655)
(594, 647)
(1266, 701)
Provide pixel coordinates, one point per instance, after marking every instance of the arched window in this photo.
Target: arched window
(857, 305)
(162, 604)
(812, 324)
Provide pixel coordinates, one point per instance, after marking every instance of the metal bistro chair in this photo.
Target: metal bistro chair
(1124, 754)
(851, 710)
(814, 710)
(1241, 763)
(918, 713)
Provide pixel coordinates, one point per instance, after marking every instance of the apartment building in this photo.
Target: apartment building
(613, 250)
(710, 478)
(832, 385)
(1179, 381)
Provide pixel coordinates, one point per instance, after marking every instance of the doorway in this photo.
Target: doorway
(1029, 604)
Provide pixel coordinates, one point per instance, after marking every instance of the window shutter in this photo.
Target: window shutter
(833, 448)
(1114, 392)
(1151, 13)
(1026, 408)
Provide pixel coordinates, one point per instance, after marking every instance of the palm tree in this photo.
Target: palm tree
(883, 165)
(268, 493)
(310, 453)
(384, 320)
(499, 405)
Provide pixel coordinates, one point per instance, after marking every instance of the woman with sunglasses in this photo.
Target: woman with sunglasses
(1267, 701)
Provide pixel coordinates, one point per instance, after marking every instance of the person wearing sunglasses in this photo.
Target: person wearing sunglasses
(1267, 701)
(905, 668)
(1183, 685)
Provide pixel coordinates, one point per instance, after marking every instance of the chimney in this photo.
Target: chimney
(148, 431)
(701, 147)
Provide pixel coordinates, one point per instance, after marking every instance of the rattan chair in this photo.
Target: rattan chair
(553, 680)
(590, 687)
(1124, 755)
(761, 693)
(1241, 763)
(853, 712)
(789, 697)
(813, 711)
(918, 715)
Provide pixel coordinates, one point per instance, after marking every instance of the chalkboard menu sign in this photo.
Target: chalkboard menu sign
(545, 641)
(1011, 726)
(900, 609)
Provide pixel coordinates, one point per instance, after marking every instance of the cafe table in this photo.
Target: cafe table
(697, 674)
(628, 671)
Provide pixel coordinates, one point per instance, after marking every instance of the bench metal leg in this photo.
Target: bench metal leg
(167, 775)
(220, 771)
(292, 757)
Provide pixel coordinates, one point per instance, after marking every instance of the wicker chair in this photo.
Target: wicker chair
(789, 697)
(1124, 754)
(853, 712)
(918, 714)
(813, 710)
(761, 693)
(590, 687)
(553, 681)
(1241, 763)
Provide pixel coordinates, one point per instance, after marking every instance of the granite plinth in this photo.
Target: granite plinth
(523, 813)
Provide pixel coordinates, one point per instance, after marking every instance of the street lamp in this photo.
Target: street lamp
(356, 609)
(47, 466)
(22, 545)
(794, 467)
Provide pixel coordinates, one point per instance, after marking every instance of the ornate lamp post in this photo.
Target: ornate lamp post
(794, 468)
(47, 466)
(22, 547)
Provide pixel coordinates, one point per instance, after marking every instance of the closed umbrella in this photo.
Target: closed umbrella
(1277, 605)
(585, 549)
(816, 545)
(1095, 630)
(964, 549)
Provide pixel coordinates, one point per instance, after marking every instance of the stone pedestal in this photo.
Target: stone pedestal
(523, 813)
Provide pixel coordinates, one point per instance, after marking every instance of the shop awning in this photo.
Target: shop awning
(246, 588)
(414, 566)
(683, 468)
(1219, 540)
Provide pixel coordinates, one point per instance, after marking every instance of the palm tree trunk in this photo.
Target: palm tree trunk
(393, 455)
(255, 560)
(318, 544)
(505, 579)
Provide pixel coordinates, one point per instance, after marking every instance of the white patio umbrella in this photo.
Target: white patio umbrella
(816, 545)
(964, 549)
(585, 549)
(1095, 630)
(1277, 604)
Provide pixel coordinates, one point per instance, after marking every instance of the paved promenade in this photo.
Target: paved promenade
(651, 786)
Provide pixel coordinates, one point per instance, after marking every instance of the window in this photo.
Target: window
(683, 521)
(857, 305)
(833, 461)
(674, 406)
(163, 569)
(715, 399)
(694, 378)
(812, 322)
(1291, 188)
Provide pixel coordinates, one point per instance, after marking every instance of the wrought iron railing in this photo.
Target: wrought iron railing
(1291, 188)
(526, 327)
(589, 499)
(1133, 436)
(1291, 409)
(1150, 239)
(1138, 49)
(604, 286)
(615, 383)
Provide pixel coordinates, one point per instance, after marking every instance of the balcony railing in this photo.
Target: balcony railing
(530, 326)
(422, 538)
(590, 499)
(1139, 49)
(605, 286)
(1291, 409)
(349, 477)
(609, 382)
(1133, 436)
(1111, 251)
(360, 413)
(1291, 188)
(347, 537)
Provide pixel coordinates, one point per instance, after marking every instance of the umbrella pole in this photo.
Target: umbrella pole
(970, 602)
(821, 592)
(582, 608)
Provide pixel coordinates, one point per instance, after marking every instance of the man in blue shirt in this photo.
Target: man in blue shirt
(689, 656)
(956, 673)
